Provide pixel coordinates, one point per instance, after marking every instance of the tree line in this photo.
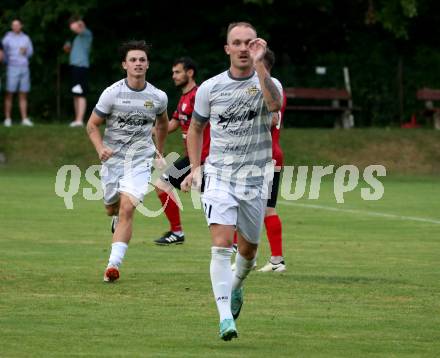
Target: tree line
(388, 45)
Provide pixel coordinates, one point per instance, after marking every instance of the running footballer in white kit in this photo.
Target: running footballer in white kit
(238, 104)
(129, 109)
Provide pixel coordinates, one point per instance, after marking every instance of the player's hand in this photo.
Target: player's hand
(257, 49)
(192, 180)
(105, 153)
(159, 162)
(187, 183)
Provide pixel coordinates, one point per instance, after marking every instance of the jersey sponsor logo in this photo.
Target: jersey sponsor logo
(126, 102)
(225, 94)
(252, 91)
(135, 118)
(236, 118)
(149, 104)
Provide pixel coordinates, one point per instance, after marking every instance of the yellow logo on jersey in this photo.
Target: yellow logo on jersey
(148, 104)
(252, 91)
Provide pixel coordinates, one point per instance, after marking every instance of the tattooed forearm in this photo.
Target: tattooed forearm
(272, 89)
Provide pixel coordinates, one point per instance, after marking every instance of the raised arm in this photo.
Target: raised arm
(95, 137)
(271, 94)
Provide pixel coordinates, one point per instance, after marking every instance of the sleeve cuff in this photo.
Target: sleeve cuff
(199, 117)
(100, 114)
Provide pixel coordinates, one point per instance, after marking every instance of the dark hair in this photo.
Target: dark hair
(74, 18)
(187, 63)
(269, 59)
(236, 24)
(133, 45)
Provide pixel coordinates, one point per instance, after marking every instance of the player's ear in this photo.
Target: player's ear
(190, 73)
(227, 49)
(124, 65)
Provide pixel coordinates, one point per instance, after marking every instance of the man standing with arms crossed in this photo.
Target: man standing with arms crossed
(184, 72)
(129, 108)
(238, 104)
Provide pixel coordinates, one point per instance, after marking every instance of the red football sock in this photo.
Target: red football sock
(234, 241)
(273, 229)
(171, 211)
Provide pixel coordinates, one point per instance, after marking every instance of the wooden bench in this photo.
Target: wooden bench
(334, 100)
(429, 96)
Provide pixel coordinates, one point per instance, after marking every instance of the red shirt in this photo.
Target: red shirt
(277, 153)
(183, 114)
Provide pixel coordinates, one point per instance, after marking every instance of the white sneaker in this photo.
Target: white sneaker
(7, 122)
(27, 122)
(253, 267)
(270, 267)
(76, 124)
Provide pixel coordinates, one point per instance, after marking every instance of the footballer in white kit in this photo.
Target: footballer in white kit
(129, 109)
(237, 104)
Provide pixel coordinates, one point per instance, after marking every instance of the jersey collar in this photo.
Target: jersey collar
(135, 89)
(240, 78)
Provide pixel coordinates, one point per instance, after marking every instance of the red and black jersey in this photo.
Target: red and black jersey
(277, 153)
(183, 114)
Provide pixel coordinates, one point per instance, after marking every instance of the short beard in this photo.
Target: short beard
(183, 84)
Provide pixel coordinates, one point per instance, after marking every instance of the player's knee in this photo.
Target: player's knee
(111, 210)
(126, 210)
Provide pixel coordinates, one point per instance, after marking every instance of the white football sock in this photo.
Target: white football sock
(242, 269)
(118, 252)
(221, 279)
(276, 259)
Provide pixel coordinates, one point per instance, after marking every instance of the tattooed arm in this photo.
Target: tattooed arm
(271, 94)
(95, 137)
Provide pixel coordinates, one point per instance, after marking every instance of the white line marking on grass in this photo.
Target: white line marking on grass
(354, 211)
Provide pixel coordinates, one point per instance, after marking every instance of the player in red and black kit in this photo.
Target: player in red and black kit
(272, 221)
(184, 71)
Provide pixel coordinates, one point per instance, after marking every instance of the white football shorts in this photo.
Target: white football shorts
(228, 204)
(116, 180)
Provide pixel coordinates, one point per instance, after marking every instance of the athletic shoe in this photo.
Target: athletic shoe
(27, 122)
(253, 267)
(270, 267)
(111, 273)
(228, 329)
(170, 238)
(115, 220)
(7, 122)
(236, 302)
(76, 124)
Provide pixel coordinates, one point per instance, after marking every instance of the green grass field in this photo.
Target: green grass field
(359, 283)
